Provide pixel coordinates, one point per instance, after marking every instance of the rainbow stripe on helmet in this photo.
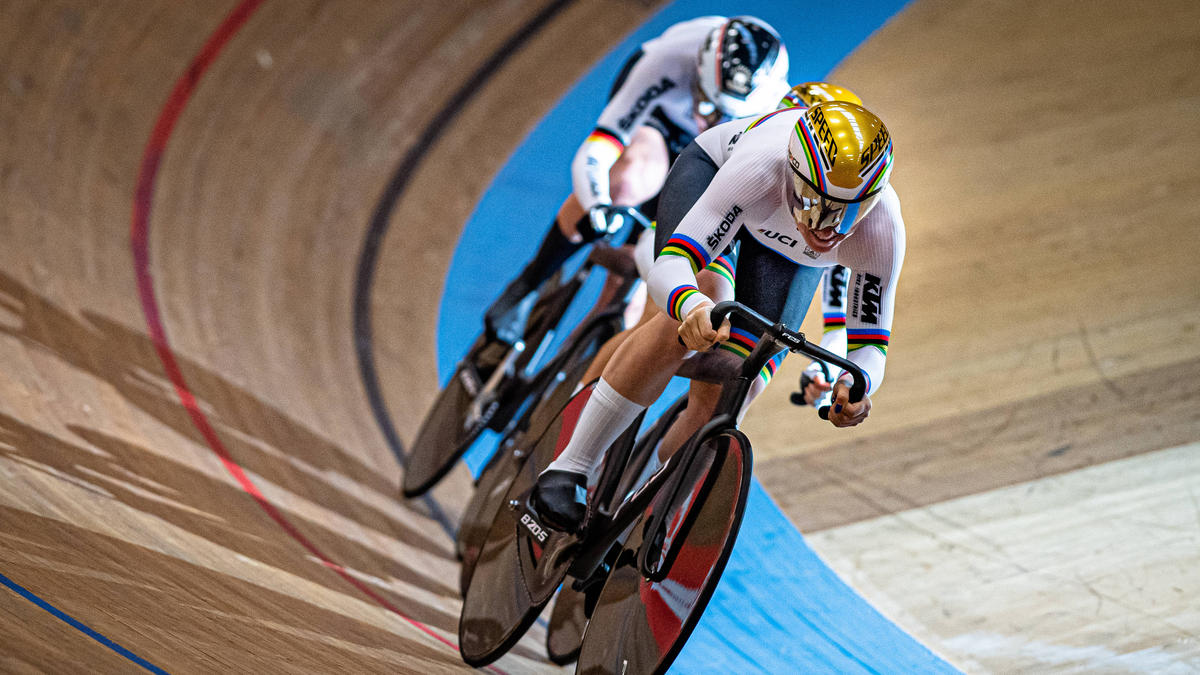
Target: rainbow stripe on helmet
(879, 177)
(689, 249)
(811, 157)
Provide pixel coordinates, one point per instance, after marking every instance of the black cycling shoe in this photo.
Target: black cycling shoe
(560, 499)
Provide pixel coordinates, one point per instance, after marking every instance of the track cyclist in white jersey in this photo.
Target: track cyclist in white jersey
(720, 271)
(696, 74)
(795, 191)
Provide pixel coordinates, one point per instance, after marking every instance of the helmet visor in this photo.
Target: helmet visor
(816, 212)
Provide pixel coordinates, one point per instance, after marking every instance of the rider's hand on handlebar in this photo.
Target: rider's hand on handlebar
(697, 331)
(843, 413)
(815, 385)
(603, 219)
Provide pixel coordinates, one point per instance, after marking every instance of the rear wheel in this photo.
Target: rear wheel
(639, 624)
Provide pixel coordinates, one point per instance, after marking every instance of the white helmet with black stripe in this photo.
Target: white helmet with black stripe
(742, 70)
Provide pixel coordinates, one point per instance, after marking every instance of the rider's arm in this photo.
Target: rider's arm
(833, 336)
(874, 255)
(628, 108)
(734, 195)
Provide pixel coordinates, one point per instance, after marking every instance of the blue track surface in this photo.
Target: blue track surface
(778, 608)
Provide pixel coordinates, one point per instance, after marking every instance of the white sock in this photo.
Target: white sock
(604, 418)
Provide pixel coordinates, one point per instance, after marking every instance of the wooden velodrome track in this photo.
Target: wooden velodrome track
(189, 463)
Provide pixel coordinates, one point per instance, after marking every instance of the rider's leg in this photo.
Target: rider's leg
(636, 177)
(555, 249)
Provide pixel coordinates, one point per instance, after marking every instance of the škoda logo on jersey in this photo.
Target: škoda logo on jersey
(718, 234)
(651, 93)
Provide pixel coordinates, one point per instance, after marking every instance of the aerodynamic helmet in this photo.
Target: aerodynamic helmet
(742, 70)
(840, 159)
(811, 93)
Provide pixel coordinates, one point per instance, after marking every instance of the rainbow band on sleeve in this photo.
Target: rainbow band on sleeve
(602, 135)
(676, 299)
(723, 266)
(741, 341)
(834, 321)
(688, 248)
(857, 338)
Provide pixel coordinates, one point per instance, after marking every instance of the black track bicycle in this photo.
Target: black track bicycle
(656, 552)
(497, 382)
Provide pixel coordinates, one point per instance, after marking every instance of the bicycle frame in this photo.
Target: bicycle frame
(606, 527)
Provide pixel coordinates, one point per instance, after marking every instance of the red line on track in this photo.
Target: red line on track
(139, 241)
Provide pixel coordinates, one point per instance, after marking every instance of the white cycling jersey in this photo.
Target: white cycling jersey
(748, 193)
(659, 84)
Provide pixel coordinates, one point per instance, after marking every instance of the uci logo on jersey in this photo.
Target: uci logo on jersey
(781, 238)
(653, 92)
(718, 234)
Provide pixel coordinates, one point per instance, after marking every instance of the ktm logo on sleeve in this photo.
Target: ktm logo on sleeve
(866, 298)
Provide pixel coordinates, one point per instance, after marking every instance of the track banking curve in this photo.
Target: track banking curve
(193, 475)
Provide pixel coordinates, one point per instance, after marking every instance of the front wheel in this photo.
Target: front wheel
(639, 625)
(452, 424)
(517, 569)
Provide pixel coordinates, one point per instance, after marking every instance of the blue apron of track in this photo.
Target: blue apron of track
(778, 608)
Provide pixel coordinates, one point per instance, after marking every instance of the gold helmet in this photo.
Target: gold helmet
(811, 93)
(840, 156)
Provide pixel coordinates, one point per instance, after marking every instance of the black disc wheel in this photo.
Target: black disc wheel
(639, 624)
(488, 498)
(516, 574)
(568, 619)
(497, 476)
(454, 421)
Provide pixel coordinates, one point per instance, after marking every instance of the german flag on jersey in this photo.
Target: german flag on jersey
(602, 135)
